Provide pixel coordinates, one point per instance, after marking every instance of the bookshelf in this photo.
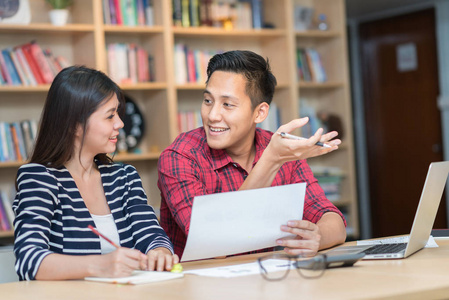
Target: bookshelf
(83, 41)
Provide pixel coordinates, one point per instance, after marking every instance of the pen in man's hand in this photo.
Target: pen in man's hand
(102, 235)
(294, 137)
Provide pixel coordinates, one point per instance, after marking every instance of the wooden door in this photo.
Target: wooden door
(403, 126)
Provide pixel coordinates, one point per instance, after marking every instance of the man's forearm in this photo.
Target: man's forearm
(332, 229)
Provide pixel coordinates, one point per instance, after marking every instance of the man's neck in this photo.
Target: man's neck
(244, 157)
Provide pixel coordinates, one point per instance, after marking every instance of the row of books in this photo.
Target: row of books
(130, 63)
(6, 212)
(189, 120)
(330, 179)
(309, 65)
(128, 12)
(230, 14)
(29, 65)
(17, 140)
(191, 64)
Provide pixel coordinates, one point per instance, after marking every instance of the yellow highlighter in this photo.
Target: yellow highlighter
(177, 268)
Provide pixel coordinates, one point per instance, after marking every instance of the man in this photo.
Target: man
(229, 153)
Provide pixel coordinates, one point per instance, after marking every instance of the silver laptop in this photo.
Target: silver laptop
(422, 224)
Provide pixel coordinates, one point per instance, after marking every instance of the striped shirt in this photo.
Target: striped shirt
(189, 168)
(51, 216)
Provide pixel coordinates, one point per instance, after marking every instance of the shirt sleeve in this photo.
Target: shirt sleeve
(315, 204)
(147, 233)
(179, 182)
(34, 207)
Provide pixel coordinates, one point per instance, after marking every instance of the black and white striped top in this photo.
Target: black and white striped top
(51, 216)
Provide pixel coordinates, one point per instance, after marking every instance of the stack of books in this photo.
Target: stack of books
(29, 65)
(229, 14)
(128, 12)
(191, 64)
(130, 64)
(330, 179)
(189, 120)
(17, 140)
(309, 65)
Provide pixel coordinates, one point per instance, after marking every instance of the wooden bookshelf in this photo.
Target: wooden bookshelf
(84, 39)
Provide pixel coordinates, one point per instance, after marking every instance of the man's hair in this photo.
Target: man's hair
(260, 83)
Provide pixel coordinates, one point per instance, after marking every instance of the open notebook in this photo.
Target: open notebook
(422, 225)
(138, 277)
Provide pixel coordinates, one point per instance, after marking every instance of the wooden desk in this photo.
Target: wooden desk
(424, 275)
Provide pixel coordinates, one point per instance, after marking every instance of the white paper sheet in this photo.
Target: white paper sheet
(402, 239)
(237, 222)
(271, 265)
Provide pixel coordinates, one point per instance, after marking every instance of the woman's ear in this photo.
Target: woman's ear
(261, 112)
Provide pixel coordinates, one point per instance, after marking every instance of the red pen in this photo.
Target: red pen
(102, 235)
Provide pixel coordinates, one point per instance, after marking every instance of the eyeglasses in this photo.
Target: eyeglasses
(275, 267)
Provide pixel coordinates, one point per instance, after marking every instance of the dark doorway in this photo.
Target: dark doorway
(403, 125)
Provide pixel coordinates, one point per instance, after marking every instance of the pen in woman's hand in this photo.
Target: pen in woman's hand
(103, 236)
(294, 137)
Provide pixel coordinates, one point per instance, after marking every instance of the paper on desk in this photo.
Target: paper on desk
(270, 265)
(237, 222)
(401, 239)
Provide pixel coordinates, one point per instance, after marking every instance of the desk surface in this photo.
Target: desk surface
(423, 275)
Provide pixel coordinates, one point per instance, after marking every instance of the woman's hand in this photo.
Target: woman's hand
(161, 259)
(121, 262)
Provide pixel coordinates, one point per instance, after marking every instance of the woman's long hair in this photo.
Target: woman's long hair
(74, 95)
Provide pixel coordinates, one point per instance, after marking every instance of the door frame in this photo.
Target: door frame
(442, 29)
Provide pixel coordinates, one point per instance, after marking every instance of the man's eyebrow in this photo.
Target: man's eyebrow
(221, 96)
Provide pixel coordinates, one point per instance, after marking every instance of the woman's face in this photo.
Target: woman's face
(103, 128)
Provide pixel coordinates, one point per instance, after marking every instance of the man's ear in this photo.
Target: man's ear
(261, 112)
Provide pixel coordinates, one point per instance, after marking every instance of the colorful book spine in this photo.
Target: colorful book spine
(26, 48)
(39, 57)
(10, 67)
(26, 67)
(257, 9)
(4, 70)
(7, 206)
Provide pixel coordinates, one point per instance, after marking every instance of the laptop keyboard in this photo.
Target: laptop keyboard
(386, 248)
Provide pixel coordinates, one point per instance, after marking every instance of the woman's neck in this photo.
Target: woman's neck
(81, 168)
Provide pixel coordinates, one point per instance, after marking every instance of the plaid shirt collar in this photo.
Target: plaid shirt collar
(220, 158)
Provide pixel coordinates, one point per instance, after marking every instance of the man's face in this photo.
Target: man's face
(228, 117)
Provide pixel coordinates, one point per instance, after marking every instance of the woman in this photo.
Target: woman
(71, 183)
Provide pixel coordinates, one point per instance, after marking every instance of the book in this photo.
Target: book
(4, 70)
(149, 12)
(257, 12)
(106, 12)
(4, 220)
(194, 7)
(4, 143)
(26, 48)
(20, 139)
(10, 67)
(138, 277)
(205, 14)
(7, 205)
(16, 145)
(19, 68)
(185, 18)
(26, 67)
(177, 13)
(39, 57)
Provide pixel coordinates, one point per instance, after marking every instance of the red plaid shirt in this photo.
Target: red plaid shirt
(189, 168)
